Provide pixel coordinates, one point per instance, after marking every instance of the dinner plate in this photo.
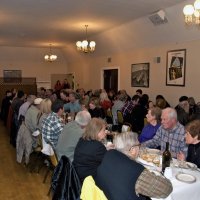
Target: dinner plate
(191, 165)
(144, 162)
(185, 165)
(153, 151)
(187, 178)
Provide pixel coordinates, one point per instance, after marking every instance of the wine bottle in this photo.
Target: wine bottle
(166, 157)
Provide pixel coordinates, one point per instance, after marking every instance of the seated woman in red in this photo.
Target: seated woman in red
(105, 102)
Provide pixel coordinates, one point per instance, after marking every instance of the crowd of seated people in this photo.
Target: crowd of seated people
(81, 140)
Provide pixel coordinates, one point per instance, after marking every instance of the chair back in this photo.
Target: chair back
(53, 158)
(120, 117)
(65, 182)
(126, 127)
(145, 121)
(91, 191)
(109, 116)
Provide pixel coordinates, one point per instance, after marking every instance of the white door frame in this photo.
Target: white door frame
(102, 76)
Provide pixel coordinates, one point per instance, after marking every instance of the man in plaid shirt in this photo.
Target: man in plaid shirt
(170, 131)
(52, 125)
(129, 105)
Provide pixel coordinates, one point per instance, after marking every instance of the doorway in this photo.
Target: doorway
(110, 79)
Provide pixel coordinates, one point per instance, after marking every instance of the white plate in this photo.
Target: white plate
(185, 165)
(144, 162)
(153, 151)
(187, 178)
(191, 165)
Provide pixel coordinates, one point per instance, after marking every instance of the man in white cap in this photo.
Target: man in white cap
(32, 115)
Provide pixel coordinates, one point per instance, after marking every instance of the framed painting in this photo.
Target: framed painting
(176, 66)
(140, 75)
(12, 76)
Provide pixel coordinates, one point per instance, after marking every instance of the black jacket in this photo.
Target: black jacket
(65, 182)
(117, 176)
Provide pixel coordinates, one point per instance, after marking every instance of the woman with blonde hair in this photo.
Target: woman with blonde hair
(90, 150)
(120, 177)
(45, 109)
(105, 102)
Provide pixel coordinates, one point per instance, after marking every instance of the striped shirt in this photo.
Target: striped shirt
(175, 137)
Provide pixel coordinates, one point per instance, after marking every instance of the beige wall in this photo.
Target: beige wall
(88, 73)
(87, 70)
(31, 62)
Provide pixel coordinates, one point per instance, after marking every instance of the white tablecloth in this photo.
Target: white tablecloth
(182, 190)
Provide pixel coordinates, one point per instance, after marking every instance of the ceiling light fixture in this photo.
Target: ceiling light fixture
(86, 45)
(192, 13)
(50, 57)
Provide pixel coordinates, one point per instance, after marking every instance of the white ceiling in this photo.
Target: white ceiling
(36, 23)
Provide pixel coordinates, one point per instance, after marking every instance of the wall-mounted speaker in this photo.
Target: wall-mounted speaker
(157, 59)
(109, 59)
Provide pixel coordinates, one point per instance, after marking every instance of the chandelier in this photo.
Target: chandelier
(50, 57)
(192, 13)
(86, 45)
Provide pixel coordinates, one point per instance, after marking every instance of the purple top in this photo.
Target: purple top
(148, 132)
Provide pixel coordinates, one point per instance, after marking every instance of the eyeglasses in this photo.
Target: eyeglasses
(136, 145)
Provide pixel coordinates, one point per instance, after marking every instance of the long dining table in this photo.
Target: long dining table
(185, 181)
(184, 190)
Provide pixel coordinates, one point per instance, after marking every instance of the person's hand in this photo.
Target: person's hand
(110, 146)
(180, 156)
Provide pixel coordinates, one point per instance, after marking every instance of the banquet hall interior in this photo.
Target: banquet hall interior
(128, 35)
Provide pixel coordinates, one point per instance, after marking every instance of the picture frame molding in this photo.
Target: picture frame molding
(141, 77)
(176, 67)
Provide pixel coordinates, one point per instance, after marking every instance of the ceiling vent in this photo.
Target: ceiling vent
(158, 18)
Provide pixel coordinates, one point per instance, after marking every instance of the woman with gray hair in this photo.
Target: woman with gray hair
(127, 143)
(123, 178)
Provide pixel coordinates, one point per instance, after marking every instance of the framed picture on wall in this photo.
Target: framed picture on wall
(175, 70)
(12, 76)
(140, 75)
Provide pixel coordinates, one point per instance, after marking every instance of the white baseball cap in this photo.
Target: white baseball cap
(37, 101)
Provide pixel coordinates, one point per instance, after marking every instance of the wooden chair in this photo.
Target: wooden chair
(109, 116)
(38, 157)
(145, 121)
(120, 117)
(53, 162)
